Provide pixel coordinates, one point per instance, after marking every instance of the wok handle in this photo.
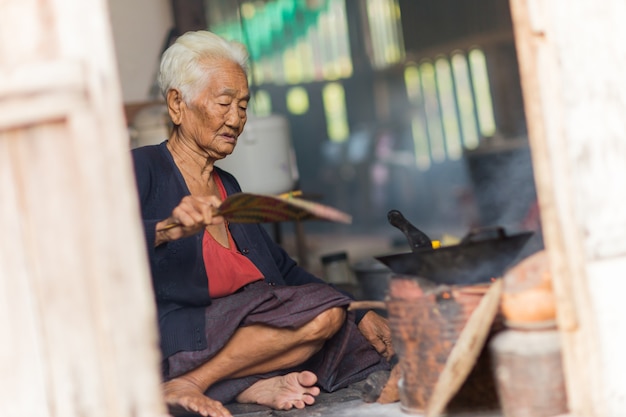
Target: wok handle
(484, 233)
(416, 238)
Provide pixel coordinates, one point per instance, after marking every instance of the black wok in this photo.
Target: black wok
(481, 255)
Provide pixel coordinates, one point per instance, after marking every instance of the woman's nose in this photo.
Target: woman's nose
(233, 117)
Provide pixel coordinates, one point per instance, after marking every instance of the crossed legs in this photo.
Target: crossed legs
(254, 350)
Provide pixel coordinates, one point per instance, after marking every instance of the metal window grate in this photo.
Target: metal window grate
(452, 106)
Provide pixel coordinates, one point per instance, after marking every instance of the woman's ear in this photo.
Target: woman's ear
(175, 105)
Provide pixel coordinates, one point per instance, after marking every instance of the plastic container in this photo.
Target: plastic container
(264, 159)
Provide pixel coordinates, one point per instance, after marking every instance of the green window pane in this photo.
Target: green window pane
(420, 142)
(412, 83)
(292, 64)
(433, 116)
(447, 103)
(418, 124)
(385, 32)
(297, 100)
(307, 61)
(478, 66)
(334, 99)
(465, 101)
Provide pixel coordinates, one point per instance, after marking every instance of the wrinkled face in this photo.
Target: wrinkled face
(216, 117)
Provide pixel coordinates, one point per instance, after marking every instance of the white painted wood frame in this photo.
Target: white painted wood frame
(77, 318)
(573, 64)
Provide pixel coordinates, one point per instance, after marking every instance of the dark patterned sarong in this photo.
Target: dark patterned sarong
(346, 358)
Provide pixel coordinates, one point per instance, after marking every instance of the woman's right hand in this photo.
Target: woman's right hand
(190, 216)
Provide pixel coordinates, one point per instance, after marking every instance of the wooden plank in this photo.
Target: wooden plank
(572, 63)
(32, 109)
(77, 308)
(22, 374)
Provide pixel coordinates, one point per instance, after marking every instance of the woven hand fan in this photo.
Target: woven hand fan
(260, 208)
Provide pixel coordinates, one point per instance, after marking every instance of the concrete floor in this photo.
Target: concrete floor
(344, 403)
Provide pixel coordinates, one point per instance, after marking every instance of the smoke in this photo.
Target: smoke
(504, 188)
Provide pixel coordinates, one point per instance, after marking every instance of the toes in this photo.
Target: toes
(286, 405)
(307, 378)
(298, 403)
(308, 399)
(294, 403)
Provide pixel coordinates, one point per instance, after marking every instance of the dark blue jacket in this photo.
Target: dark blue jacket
(178, 273)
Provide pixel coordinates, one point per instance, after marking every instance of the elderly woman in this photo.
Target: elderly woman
(239, 320)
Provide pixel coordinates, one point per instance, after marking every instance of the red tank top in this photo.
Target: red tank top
(227, 269)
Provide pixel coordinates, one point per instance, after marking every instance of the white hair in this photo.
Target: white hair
(185, 64)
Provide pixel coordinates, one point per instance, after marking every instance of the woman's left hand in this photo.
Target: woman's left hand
(376, 330)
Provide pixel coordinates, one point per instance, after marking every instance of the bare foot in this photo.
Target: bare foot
(182, 396)
(283, 392)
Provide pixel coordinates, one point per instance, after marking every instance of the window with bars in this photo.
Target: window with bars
(386, 45)
(452, 106)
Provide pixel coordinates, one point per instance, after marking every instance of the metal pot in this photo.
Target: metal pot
(373, 278)
(483, 254)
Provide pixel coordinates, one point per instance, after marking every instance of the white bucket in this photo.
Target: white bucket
(264, 159)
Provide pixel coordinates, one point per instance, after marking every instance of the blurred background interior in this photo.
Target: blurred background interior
(364, 105)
